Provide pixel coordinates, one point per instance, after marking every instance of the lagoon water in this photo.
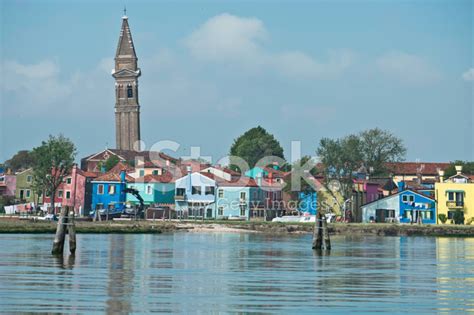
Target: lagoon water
(231, 272)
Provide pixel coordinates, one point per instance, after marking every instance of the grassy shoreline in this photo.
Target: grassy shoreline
(14, 225)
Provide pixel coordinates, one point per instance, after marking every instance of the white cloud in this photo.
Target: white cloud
(42, 89)
(226, 37)
(468, 75)
(407, 68)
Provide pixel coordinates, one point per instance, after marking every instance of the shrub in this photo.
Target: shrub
(458, 217)
(442, 217)
(469, 221)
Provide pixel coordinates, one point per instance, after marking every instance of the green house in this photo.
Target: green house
(24, 187)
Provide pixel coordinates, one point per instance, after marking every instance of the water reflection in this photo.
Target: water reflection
(190, 272)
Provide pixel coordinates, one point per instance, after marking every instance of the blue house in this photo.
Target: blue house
(406, 206)
(108, 191)
(308, 202)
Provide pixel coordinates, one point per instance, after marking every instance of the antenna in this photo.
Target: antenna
(124, 10)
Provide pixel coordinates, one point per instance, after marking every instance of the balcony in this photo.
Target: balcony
(179, 197)
(455, 204)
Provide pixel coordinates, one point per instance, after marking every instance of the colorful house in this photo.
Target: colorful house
(454, 194)
(308, 202)
(156, 190)
(406, 206)
(24, 187)
(108, 189)
(238, 199)
(77, 191)
(7, 185)
(195, 195)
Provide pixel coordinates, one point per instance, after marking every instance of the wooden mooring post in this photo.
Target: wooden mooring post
(321, 238)
(65, 224)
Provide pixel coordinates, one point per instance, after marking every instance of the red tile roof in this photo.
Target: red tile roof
(113, 177)
(413, 168)
(164, 178)
(240, 182)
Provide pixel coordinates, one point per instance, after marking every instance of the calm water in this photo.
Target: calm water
(190, 272)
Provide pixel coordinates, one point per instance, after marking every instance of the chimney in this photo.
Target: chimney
(259, 179)
(122, 176)
(441, 176)
(458, 169)
(168, 163)
(401, 186)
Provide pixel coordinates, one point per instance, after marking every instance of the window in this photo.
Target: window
(129, 91)
(408, 198)
(29, 179)
(243, 195)
(60, 193)
(180, 191)
(99, 206)
(155, 172)
(68, 180)
(28, 193)
(142, 173)
(100, 189)
(451, 214)
(220, 211)
(451, 196)
(111, 189)
(196, 190)
(149, 190)
(209, 190)
(220, 193)
(68, 195)
(254, 195)
(242, 211)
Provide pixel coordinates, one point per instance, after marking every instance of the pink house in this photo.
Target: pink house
(75, 192)
(7, 185)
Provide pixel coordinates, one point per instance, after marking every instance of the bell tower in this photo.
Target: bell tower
(127, 108)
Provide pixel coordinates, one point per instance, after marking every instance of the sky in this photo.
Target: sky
(303, 70)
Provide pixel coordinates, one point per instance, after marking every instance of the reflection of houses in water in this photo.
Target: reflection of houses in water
(121, 274)
(453, 256)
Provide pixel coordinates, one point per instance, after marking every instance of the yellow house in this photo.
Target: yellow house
(456, 192)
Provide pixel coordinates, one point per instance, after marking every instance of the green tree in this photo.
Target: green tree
(253, 145)
(111, 162)
(22, 160)
(52, 161)
(467, 168)
(379, 147)
(304, 186)
(341, 159)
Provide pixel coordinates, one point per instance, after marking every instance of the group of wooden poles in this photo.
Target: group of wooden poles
(321, 238)
(65, 225)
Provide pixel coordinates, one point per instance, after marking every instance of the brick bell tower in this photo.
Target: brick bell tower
(127, 108)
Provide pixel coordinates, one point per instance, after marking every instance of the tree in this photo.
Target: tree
(52, 161)
(341, 159)
(467, 168)
(22, 160)
(111, 162)
(253, 145)
(379, 147)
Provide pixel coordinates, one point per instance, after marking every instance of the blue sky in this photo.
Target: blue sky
(211, 70)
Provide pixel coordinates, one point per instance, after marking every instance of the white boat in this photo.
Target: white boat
(302, 218)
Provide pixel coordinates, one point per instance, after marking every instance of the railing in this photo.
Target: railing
(177, 197)
(455, 204)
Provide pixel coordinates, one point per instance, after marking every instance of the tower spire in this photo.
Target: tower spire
(127, 107)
